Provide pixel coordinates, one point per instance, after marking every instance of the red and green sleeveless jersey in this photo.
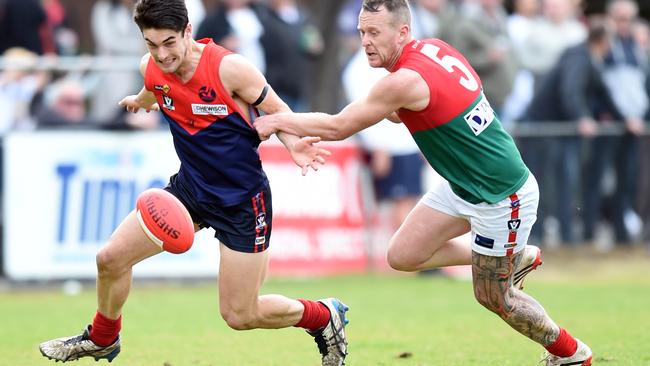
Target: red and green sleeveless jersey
(458, 132)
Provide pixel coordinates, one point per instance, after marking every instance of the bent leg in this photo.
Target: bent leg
(428, 238)
(240, 277)
(127, 246)
(492, 279)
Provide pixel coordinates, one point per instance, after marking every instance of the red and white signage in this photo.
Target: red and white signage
(318, 219)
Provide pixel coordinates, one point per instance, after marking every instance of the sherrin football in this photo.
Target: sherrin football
(165, 220)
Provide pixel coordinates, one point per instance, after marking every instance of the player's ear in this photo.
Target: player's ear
(188, 30)
(404, 32)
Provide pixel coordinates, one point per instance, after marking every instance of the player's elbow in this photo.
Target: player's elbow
(336, 131)
(335, 134)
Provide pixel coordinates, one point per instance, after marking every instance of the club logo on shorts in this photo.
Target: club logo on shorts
(207, 94)
(260, 240)
(480, 117)
(260, 221)
(513, 225)
(168, 103)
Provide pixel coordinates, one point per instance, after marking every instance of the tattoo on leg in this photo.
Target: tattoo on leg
(493, 288)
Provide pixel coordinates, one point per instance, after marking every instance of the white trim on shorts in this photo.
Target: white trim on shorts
(497, 229)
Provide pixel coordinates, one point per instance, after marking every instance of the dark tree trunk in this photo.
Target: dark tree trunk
(325, 80)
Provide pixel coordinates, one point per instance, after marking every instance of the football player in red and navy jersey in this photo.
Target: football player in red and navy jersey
(488, 193)
(209, 96)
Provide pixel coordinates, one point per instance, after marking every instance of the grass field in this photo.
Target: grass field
(431, 320)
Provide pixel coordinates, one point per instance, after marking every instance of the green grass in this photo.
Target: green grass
(434, 320)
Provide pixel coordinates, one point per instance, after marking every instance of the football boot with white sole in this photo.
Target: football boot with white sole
(331, 340)
(73, 348)
(582, 357)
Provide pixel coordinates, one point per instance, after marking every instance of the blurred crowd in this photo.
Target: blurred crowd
(540, 61)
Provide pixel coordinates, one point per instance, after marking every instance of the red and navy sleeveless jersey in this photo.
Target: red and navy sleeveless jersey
(214, 139)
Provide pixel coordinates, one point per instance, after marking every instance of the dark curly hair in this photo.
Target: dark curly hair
(161, 14)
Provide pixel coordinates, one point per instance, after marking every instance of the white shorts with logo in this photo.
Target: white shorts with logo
(498, 229)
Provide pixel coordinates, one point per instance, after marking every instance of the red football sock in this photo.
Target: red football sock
(105, 331)
(315, 316)
(564, 346)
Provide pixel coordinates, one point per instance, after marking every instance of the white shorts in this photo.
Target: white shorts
(499, 229)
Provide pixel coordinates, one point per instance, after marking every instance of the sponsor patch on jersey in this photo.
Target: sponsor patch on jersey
(164, 88)
(480, 117)
(210, 109)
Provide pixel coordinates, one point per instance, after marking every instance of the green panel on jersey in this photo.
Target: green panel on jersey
(478, 158)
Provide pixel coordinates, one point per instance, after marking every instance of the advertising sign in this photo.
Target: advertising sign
(65, 192)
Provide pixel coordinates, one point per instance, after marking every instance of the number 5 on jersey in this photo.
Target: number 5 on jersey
(451, 63)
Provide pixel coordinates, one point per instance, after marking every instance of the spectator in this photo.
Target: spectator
(520, 24)
(551, 34)
(64, 106)
(57, 38)
(395, 161)
(290, 42)
(195, 13)
(626, 79)
(433, 18)
(17, 89)
(641, 31)
(483, 38)
(115, 35)
(21, 21)
(566, 94)
(236, 25)
(347, 21)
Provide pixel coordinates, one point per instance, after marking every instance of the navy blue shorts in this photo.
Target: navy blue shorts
(245, 227)
(404, 179)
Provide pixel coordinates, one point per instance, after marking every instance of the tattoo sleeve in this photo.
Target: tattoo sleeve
(492, 278)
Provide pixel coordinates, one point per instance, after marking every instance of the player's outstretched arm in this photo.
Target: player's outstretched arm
(245, 81)
(403, 89)
(144, 99)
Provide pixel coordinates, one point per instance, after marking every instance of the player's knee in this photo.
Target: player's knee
(239, 320)
(108, 262)
(495, 302)
(399, 262)
(483, 299)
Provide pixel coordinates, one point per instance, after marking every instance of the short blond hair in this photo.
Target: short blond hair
(399, 8)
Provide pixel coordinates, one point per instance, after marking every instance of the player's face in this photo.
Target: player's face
(167, 47)
(381, 37)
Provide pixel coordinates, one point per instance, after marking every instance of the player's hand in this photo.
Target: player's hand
(587, 127)
(635, 126)
(306, 154)
(263, 126)
(133, 104)
(381, 163)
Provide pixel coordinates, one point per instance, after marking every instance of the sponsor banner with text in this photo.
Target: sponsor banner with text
(65, 192)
